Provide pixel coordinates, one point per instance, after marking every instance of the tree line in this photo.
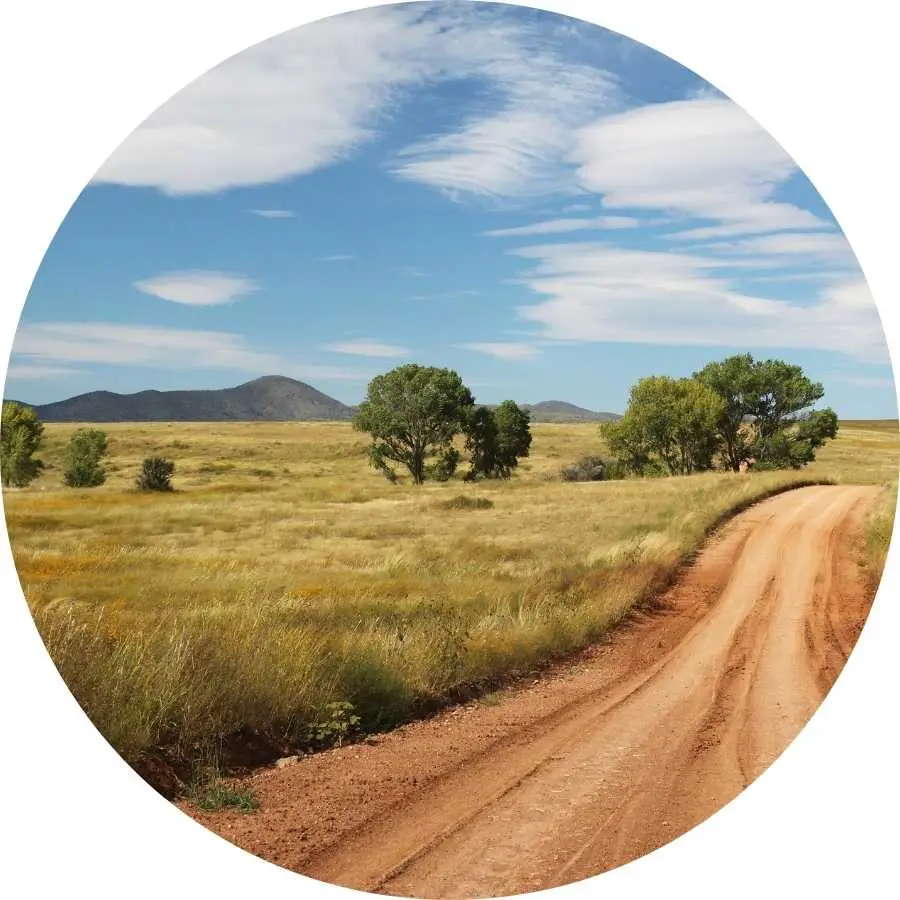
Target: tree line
(730, 414)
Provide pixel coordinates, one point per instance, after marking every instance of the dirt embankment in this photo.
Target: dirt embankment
(606, 758)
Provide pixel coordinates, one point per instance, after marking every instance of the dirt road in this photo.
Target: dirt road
(605, 759)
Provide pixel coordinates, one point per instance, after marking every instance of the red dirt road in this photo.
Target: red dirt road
(608, 757)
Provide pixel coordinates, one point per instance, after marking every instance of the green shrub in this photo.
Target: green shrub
(84, 454)
(156, 473)
(463, 502)
(588, 468)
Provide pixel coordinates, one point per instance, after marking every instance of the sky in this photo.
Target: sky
(550, 209)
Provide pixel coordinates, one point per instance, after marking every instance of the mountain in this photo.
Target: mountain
(272, 397)
(559, 411)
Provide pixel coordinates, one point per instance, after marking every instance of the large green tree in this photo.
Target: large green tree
(21, 435)
(767, 412)
(413, 413)
(497, 439)
(669, 421)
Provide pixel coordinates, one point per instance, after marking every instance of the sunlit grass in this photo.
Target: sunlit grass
(283, 574)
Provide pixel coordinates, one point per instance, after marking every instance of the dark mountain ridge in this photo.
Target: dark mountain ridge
(272, 398)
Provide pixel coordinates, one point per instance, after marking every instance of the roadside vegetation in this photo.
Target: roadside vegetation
(283, 592)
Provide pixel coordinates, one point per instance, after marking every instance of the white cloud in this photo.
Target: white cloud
(503, 350)
(273, 213)
(560, 226)
(367, 347)
(516, 144)
(833, 248)
(336, 257)
(31, 372)
(701, 158)
(312, 96)
(198, 288)
(148, 346)
(597, 292)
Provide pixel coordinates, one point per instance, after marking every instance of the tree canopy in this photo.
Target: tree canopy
(669, 421)
(413, 413)
(85, 452)
(767, 413)
(496, 440)
(21, 435)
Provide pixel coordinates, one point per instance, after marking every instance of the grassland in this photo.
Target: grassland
(283, 575)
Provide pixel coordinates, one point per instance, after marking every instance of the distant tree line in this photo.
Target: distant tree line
(730, 414)
(21, 437)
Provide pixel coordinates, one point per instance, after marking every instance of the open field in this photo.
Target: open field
(283, 574)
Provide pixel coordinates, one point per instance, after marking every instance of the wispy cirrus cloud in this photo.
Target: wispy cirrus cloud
(701, 158)
(506, 350)
(598, 292)
(260, 117)
(273, 213)
(336, 257)
(36, 372)
(107, 343)
(198, 288)
(561, 226)
(367, 347)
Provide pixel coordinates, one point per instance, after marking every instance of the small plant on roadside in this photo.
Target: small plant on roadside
(339, 723)
(156, 473)
(215, 793)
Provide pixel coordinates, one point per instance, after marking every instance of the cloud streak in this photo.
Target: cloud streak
(198, 288)
(505, 350)
(367, 347)
(598, 292)
(561, 226)
(147, 346)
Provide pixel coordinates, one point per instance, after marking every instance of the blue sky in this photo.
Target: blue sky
(549, 208)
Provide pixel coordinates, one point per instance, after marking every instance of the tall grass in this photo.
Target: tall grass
(879, 529)
(245, 603)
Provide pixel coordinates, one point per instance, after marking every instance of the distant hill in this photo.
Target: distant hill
(272, 397)
(559, 411)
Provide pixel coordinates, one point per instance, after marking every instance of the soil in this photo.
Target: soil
(603, 759)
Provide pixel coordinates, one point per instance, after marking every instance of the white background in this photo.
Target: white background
(77, 77)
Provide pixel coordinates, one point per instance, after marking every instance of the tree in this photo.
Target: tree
(767, 412)
(795, 446)
(412, 414)
(482, 441)
(513, 436)
(21, 435)
(497, 439)
(156, 473)
(669, 420)
(84, 466)
(736, 381)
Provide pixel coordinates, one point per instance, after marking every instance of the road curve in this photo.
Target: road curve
(640, 741)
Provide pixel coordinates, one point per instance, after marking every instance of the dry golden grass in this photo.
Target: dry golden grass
(283, 574)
